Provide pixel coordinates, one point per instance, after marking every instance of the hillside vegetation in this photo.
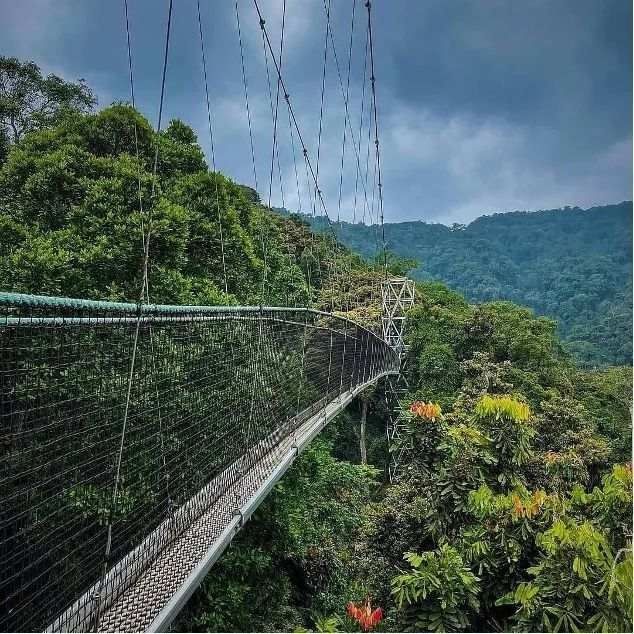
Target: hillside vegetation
(512, 509)
(571, 264)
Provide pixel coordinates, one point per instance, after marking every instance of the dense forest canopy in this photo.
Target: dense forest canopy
(512, 510)
(571, 264)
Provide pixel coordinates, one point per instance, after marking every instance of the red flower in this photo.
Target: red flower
(364, 615)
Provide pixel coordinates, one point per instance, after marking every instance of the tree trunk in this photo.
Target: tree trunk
(362, 445)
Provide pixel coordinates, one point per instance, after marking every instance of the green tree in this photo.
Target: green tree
(438, 593)
(577, 585)
(29, 101)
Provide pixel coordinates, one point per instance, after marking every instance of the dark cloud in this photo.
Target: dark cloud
(484, 106)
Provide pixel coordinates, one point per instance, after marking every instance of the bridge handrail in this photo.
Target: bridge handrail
(27, 300)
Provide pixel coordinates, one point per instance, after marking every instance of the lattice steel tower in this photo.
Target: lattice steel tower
(398, 296)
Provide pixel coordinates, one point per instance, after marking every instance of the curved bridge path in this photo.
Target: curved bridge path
(136, 440)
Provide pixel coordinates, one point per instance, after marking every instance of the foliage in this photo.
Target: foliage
(500, 407)
(74, 199)
(438, 593)
(395, 264)
(607, 398)
(366, 617)
(575, 585)
(430, 411)
(609, 506)
(571, 264)
(29, 101)
(521, 441)
(507, 423)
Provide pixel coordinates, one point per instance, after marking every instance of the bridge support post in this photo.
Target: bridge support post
(398, 294)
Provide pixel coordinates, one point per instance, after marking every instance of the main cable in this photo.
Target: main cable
(146, 254)
(358, 173)
(294, 117)
(275, 152)
(346, 301)
(274, 112)
(308, 162)
(321, 105)
(343, 142)
(255, 173)
(136, 132)
(343, 92)
(319, 138)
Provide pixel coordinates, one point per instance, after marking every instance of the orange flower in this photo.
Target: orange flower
(364, 615)
(430, 411)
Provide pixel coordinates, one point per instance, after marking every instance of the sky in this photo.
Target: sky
(484, 106)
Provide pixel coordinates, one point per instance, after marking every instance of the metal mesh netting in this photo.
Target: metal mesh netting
(213, 391)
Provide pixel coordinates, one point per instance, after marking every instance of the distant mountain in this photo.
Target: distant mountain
(571, 264)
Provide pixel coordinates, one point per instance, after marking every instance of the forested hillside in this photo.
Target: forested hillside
(511, 512)
(571, 264)
(512, 509)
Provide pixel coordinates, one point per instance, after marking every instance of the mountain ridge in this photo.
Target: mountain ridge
(571, 264)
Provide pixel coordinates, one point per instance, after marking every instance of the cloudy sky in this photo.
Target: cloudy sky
(484, 105)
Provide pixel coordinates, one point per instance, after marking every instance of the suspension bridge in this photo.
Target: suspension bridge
(137, 439)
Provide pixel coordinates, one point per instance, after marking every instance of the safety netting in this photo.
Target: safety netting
(121, 424)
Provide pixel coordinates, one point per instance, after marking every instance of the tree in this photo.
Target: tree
(577, 585)
(4, 145)
(572, 265)
(438, 593)
(396, 265)
(29, 101)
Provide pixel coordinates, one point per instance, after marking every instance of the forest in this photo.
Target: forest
(513, 507)
(573, 265)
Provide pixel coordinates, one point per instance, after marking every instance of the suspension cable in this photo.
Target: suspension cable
(245, 84)
(347, 122)
(146, 254)
(255, 173)
(343, 149)
(321, 105)
(277, 97)
(368, 5)
(345, 96)
(274, 111)
(211, 143)
(144, 290)
(275, 126)
(363, 83)
(136, 132)
(343, 142)
(275, 152)
(294, 118)
(308, 162)
(321, 118)
(292, 135)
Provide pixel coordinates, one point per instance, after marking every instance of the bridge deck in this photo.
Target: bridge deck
(136, 440)
(158, 594)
